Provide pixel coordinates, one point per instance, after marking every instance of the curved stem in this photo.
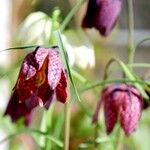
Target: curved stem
(128, 74)
(131, 49)
(145, 39)
(104, 82)
(107, 67)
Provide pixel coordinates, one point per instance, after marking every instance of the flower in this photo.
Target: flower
(37, 27)
(42, 76)
(102, 15)
(123, 101)
(80, 50)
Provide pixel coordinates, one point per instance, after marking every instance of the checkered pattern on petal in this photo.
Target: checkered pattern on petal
(55, 68)
(110, 110)
(130, 112)
(32, 63)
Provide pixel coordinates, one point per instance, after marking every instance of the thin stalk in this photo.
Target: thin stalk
(71, 14)
(142, 41)
(140, 65)
(20, 47)
(131, 49)
(95, 137)
(104, 82)
(118, 140)
(67, 126)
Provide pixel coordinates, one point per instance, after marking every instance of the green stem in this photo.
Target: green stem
(145, 39)
(128, 74)
(140, 65)
(104, 82)
(96, 136)
(20, 47)
(131, 49)
(71, 14)
(67, 126)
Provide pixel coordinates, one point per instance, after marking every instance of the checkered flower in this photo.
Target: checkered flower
(102, 15)
(123, 102)
(41, 77)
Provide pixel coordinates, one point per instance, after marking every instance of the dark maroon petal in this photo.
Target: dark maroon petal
(26, 88)
(32, 102)
(130, 112)
(45, 95)
(55, 68)
(90, 14)
(102, 15)
(61, 92)
(110, 112)
(17, 109)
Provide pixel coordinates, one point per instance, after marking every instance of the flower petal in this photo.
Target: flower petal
(32, 63)
(102, 14)
(55, 68)
(61, 92)
(16, 109)
(110, 112)
(27, 80)
(130, 112)
(45, 95)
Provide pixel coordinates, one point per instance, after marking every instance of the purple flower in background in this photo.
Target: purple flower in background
(102, 15)
(123, 102)
(41, 77)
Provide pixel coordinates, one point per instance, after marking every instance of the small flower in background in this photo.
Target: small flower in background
(37, 28)
(102, 15)
(79, 49)
(121, 101)
(41, 77)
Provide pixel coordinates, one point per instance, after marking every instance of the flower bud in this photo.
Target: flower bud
(102, 15)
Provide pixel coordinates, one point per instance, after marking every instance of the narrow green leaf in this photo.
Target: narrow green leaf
(19, 47)
(65, 58)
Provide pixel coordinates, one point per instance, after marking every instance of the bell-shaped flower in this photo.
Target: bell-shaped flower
(122, 102)
(42, 76)
(102, 15)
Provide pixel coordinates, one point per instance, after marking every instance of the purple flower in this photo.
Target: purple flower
(102, 15)
(41, 77)
(123, 102)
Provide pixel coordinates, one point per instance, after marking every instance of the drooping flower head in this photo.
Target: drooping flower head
(123, 102)
(42, 76)
(102, 15)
